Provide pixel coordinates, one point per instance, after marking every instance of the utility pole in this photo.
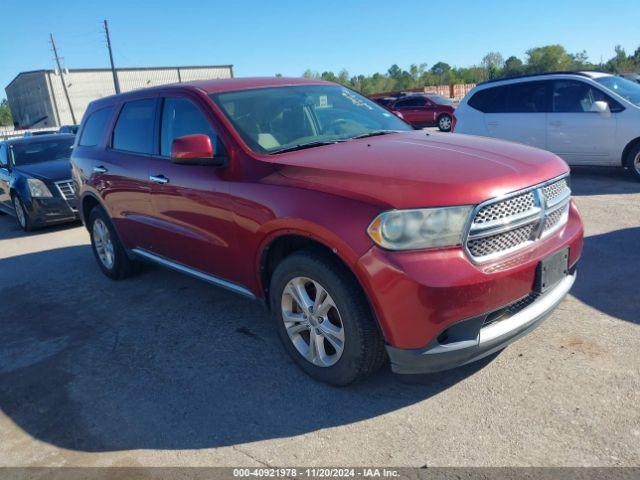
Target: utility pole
(64, 85)
(116, 83)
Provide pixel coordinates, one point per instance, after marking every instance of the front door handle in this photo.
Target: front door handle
(556, 123)
(99, 169)
(159, 179)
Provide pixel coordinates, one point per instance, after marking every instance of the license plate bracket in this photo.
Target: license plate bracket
(551, 270)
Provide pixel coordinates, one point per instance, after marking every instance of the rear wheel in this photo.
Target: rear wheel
(22, 216)
(444, 123)
(109, 252)
(632, 162)
(324, 320)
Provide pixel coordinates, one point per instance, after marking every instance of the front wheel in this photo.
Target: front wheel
(444, 123)
(107, 248)
(324, 320)
(632, 162)
(22, 216)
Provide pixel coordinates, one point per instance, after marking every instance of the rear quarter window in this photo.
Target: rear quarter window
(490, 100)
(94, 127)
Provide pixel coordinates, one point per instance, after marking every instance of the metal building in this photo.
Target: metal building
(37, 98)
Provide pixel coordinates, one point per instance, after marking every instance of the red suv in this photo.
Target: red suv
(367, 240)
(425, 110)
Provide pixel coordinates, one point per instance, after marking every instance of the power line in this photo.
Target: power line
(116, 83)
(64, 85)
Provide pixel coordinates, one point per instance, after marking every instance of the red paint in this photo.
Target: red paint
(220, 220)
(192, 146)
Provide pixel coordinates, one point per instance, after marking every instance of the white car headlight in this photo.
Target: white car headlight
(38, 189)
(420, 228)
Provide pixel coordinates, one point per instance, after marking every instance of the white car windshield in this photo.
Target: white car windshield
(623, 87)
(278, 119)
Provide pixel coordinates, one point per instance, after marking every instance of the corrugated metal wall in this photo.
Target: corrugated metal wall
(40, 94)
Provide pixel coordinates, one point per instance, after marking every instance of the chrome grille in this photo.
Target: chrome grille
(66, 189)
(507, 208)
(555, 190)
(501, 242)
(503, 225)
(554, 218)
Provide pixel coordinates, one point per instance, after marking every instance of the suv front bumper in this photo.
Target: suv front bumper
(488, 339)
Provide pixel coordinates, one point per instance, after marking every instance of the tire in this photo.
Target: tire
(345, 310)
(22, 215)
(632, 161)
(444, 123)
(110, 254)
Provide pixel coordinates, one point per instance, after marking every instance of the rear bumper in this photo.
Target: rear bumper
(489, 339)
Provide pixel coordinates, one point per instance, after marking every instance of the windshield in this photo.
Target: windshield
(273, 120)
(623, 87)
(439, 99)
(40, 151)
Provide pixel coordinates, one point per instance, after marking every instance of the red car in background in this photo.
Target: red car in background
(425, 110)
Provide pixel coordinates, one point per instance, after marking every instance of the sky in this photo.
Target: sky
(267, 37)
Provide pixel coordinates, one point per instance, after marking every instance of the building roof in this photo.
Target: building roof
(123, 69)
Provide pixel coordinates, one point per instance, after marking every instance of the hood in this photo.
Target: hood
(48, 171)
(418, 169)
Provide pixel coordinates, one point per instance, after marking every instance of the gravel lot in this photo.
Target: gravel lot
(165, 370)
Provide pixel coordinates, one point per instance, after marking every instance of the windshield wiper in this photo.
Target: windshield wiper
(374, 133)
(302, 146)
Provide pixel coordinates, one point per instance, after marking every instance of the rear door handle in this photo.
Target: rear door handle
(493, 124)
(159, 179)
(556, 123)
(99, 169)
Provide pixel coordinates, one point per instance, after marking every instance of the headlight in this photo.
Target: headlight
(38, 189)
(421, 228)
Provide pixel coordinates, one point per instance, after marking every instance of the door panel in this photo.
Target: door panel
(574, 132)
(192, 220)
(126, 190)
(527, 128)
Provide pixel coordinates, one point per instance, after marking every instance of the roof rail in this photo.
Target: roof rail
(583, 73)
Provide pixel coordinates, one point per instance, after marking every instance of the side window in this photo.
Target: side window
(410, 102)
(94, 127)
(3, 156)
(181, 117)
(490, 100)
(134, 130)
(527, 97)
(571, 96)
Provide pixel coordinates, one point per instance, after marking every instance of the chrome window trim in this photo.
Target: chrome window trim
(539, 214)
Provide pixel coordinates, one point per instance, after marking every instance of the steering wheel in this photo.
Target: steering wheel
(338, 123)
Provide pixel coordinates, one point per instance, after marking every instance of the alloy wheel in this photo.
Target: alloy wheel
(312, 321)
(636, 163)
(103, 243)
(20, 215)
(444, 123)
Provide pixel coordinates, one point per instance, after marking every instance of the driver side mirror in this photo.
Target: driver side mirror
(195, 150)
(602, 108)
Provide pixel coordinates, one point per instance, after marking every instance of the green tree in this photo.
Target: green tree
(493, 63)
(6, 120)
(512, 66)
(548, 59)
